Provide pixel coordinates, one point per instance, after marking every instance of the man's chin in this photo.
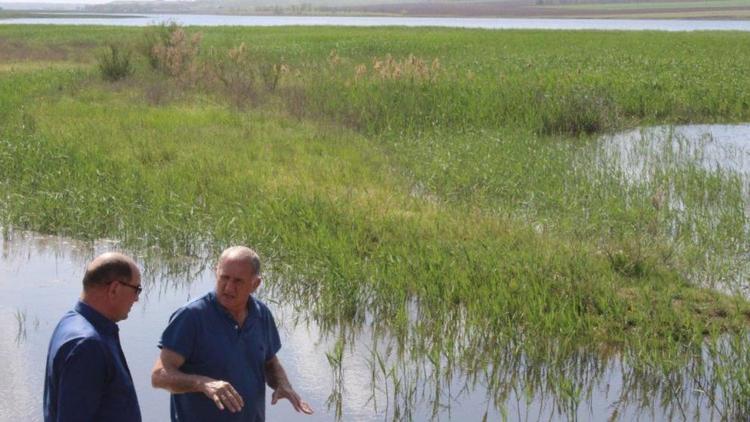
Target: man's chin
(226, 301)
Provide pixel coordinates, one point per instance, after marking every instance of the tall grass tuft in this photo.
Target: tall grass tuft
(114, 63)
(576, 110)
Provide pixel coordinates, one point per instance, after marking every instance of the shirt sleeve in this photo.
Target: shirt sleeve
(83, 375)
(179, 336)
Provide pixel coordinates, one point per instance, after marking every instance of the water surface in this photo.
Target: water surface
(485, 23)
(710, 147)
(699, 177)
(40, 280)
(371, 380)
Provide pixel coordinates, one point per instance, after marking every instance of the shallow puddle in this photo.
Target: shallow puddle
(640, 152)
(40, 280)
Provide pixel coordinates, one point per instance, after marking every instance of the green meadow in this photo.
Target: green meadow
(444, 186)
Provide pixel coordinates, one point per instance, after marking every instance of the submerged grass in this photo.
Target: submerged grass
(440, 183)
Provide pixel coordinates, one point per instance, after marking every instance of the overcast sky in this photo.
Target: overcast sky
(59, 1)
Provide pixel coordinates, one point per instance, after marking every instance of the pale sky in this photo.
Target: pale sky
(61, 1)
(55, 1)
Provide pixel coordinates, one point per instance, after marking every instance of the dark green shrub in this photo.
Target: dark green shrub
(576, 111)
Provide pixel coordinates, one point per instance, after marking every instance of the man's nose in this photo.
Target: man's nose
(228, 287)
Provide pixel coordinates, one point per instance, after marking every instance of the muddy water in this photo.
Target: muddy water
(40, 280)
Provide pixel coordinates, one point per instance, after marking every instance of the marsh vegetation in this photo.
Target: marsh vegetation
(444, 188)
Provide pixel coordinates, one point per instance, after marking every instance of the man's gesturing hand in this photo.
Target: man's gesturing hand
(286, 392)
(223, 395)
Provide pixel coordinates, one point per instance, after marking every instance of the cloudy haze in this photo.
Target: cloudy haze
(56, 2)
(2, 2)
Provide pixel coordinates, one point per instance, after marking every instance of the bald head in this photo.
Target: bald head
(241, 253)
(108, 267)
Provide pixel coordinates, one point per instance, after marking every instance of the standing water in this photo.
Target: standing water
(712, 147)
(40, 280)
(115, 19)
(699, 176)
(359, 374)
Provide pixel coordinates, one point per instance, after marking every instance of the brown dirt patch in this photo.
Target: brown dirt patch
(13, 50)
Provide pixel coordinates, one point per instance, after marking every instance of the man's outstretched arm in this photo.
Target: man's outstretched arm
(282, 389)
(167, 375)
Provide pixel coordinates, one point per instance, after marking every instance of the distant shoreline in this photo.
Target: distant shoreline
(55, 14)
(506, 10)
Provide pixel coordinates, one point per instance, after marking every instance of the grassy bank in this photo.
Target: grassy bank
(444, 184)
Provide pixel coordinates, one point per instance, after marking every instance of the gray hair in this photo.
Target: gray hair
(241, 253)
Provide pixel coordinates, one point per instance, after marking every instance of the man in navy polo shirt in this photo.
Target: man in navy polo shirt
(218, 352)
(87, 377)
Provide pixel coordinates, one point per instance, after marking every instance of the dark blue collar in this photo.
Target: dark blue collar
(253, 308)
(99, 321)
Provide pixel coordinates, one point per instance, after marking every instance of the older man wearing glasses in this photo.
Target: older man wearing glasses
(87, 377)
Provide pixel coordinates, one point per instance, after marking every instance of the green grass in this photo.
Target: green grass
(461, 206)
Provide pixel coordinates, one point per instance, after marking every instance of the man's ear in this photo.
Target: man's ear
(112, 288)
(257, 282)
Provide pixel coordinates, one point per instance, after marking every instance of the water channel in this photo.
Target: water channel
(484, 23)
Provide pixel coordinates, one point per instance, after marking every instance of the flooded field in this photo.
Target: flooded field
(446, 231)
(714, 148)
(355, 373)
(697, 173)
(40, 280)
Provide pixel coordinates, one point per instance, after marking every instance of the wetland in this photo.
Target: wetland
(457, 223)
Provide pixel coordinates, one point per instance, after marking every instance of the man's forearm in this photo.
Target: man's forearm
(275, 374)
(177, 382)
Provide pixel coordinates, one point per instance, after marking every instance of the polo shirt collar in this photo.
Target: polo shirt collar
(253, 309)
(99, 321)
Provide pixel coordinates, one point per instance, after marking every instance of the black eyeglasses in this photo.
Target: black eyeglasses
(138, 289)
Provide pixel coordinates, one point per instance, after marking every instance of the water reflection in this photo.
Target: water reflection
(697, 179)
(348, 372)
(641, 152)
